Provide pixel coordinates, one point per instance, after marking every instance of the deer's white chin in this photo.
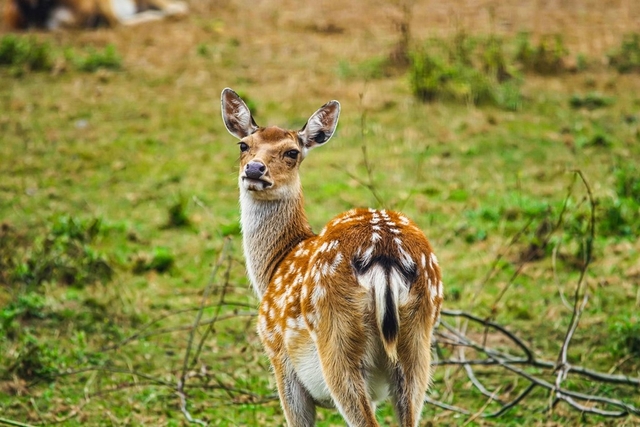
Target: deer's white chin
(256, 191)
(255, 184)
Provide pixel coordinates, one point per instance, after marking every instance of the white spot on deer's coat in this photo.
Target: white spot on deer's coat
(318, 293)
(323, 248)
(278, 283)
(262, 326)
(324, 269)
(366, 256)
(277, 329)
(406, 260)
(351, 219)
(394, 230)
(279, 301)
(375, 237)
(291, 323)
(312, 319)
(423, 260)
(433, 259)
(403, 220)
(334, 265)
(433, 292)
(440, 289)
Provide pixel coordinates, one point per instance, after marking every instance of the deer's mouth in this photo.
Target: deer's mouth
(255, 184)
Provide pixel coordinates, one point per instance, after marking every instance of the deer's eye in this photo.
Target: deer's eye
(243, 147)
(292, 154)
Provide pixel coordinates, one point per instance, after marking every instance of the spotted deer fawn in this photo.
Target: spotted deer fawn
(346, 316)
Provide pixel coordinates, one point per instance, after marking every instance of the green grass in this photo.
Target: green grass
(118, 191)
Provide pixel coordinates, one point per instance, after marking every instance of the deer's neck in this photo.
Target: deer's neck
(270, 230)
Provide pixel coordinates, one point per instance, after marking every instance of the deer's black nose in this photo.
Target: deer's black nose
(255, 170)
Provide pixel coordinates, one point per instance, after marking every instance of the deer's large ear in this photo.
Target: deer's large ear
(321, 125)
(236, 115)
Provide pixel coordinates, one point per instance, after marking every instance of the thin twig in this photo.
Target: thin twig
(221, 302)
(185, 365)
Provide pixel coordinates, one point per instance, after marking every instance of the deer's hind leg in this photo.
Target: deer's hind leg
(412, 373)
(298, 406)
(342, 343)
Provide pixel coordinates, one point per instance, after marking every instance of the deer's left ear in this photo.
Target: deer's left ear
(320, 126)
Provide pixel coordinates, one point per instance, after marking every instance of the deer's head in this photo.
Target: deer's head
(270, 156)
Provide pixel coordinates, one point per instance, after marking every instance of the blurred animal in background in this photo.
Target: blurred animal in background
(56, 14)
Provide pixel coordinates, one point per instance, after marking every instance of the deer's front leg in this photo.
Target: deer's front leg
(298, 406)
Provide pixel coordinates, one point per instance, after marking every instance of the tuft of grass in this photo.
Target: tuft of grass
(627, 182)
(63, 255)
(177, 214)
(24, 54)
(35, 361)
(625, 335)
(456, 72)
(548, 57)
(494, 60)
(30, 305)
(620, 216)
(160, 259)
(590, 101)
(93, 60)
(626, 59)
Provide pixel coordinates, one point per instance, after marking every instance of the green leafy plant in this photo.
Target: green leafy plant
(590, 101)
(625, 335)
(30, 305)
(63, 255)
(627, 182)
(94, 59)
(177, 214)
(23, 54)
(626, 59)
(548, 57)
(161, 260)
(494, 60)
(456, 72)
(35, 361)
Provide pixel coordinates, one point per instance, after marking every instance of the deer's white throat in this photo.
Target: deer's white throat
(269, 227)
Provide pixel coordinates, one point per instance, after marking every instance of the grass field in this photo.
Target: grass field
(119, 215)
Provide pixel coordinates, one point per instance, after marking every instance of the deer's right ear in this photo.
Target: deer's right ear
(236, 115)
